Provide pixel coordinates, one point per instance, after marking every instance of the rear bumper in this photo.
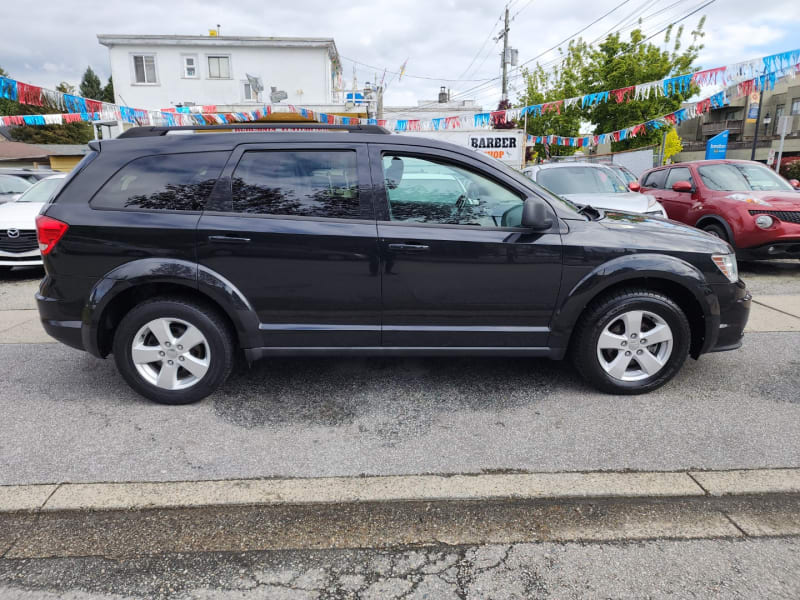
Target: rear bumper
(734, 310)
(60, 305)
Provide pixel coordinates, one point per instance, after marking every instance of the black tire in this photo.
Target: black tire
(717, 230)
(217, 334)
(604, 312)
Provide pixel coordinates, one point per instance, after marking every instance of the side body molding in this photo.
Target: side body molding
(658, 267)
(195, 278)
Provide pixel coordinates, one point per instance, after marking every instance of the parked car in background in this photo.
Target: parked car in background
(625, 174)
(18, 244)
(11, 187)
(176, 253)
(29, 175)
(595, 185)
(742, 202)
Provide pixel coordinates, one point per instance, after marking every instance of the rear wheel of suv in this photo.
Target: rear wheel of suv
(173, 351)
(631, 342)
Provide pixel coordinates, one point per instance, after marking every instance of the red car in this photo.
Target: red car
(741, 201)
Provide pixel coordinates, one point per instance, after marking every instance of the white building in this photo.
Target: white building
(160, 71)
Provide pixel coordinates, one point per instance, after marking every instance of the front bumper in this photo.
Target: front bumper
(734, 310)
(780, 249)
(20, 259)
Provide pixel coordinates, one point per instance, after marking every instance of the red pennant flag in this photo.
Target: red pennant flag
(623, 94)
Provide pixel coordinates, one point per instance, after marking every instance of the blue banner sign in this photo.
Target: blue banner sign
(717, 146)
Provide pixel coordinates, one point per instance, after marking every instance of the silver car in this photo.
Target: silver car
(593, 184)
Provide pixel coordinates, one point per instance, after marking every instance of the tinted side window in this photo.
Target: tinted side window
(677, 174)
(163, 182)
(656, 179)
(298, 183)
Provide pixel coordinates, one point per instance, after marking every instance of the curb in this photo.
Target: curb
(130, 519)
(395, 488)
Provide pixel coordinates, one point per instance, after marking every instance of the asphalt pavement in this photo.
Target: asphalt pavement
(724, 569)
(70, 417)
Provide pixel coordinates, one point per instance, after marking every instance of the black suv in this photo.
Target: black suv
(176, 253)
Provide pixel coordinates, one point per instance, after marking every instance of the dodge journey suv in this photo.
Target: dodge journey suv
(178, 254)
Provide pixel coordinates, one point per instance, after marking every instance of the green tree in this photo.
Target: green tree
(108, 92)
(65, 88)
(68, 133)
(3, 72)
(90, 85)
(672, 144)
(547, 86)
(617, 64)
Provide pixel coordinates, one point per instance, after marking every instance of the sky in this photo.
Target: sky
(445, 42)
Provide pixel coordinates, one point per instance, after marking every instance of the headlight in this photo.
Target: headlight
(727, 264)
(764, 221)
(746, 198)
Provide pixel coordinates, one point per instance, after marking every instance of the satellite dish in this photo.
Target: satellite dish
(277, 95)
(255, 82)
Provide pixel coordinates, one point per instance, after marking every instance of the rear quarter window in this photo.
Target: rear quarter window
(655, 179)
(163, 182)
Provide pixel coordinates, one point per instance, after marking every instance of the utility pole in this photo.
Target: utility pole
(505, 57)
(758, 120)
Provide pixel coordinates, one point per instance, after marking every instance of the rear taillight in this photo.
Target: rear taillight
(49, 231)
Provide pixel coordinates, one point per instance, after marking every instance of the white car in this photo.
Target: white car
(595, 185)
(18, 244)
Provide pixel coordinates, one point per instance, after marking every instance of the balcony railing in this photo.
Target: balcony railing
(716, 127)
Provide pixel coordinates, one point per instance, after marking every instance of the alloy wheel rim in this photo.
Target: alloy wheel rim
(171, 354)
(635, 345)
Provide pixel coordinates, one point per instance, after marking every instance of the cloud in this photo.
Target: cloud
(439, 38)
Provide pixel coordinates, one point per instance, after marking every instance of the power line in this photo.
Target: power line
(488, 37)
(406, 74)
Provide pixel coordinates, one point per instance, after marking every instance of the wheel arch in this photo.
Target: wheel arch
(669, 275)
(126, 286)
(717, 220)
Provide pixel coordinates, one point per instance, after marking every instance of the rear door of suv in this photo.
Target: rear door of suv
(457, 268)
(295, 232)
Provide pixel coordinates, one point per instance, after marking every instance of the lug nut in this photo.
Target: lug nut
(638, 352)
(169, 362)
(628, 353)
(624, 343)
(180, 358)
(167, 344)
(180, 347)
(643, 340)
(161, 353)
(633, 336)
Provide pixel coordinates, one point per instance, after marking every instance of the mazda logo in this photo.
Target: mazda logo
(13, 233)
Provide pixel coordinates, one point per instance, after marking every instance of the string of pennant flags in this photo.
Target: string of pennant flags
(747, 76)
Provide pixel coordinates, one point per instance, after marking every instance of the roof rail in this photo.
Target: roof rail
(266, 126)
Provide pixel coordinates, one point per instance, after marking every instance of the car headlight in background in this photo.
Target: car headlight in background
(764, 221)
(746, 198)
(727, 264)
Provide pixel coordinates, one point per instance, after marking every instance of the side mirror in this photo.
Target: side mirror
(795, 184)
(682, 186)
(634, 186)
(536, 215)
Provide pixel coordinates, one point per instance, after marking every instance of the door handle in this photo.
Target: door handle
(409, 247)
(228, 239)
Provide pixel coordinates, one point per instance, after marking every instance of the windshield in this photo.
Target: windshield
(580, 180)
(41, 191)
(12, 185)
(729, 177)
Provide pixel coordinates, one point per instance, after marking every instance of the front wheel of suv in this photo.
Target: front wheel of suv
(173, 351)
(631, 342)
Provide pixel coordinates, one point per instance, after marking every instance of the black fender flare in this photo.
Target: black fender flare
(178, 272)
(719, 221)
(658, 267)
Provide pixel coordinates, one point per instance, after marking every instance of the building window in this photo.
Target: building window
(796, 106)
(777, 120)
(249, 94)
(190, 66)
(219, 67)
(144, 68)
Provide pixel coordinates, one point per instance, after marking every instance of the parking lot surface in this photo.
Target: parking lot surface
(70, 417)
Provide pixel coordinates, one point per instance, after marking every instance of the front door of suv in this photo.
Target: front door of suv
(292, 227)
(457, 269)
